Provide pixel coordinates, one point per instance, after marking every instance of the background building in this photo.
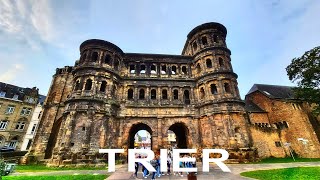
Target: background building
(17, 105)
(32, 129)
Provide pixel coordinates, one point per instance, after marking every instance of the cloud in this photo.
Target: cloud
(11, 73)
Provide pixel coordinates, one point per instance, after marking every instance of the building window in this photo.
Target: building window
(221, 64)
(132, 69)
(163, 69)
(107, 59)
(184, 70)
(202, 94)
(33, 128)
(83, 128)
(209, 63)
(141, 94)
(20, 125)
(88, 84)
(2, 94)
(130, 94)
(175, 94)
(227, 88)
(142, 69)
(173, 70)
(39, 114)
(77, 87)
(204, 40)
(94, 56)
(186, 97)
(215, 38)
(164, 94)
(195, 46)
(278, 143)
(3, 124)
(103, 86)
(153, 94)
(23, 111)
(29, 144)
(84, 56)
(214, 89)
(153, 69)
(16, 96)
(13, 142)
(10, 109)
(116, 64)
(198, 68)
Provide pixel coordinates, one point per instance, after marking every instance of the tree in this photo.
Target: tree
(305, 70)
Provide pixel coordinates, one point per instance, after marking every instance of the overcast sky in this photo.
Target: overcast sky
(37, 36)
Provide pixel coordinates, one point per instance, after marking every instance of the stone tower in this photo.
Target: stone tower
(109, 95)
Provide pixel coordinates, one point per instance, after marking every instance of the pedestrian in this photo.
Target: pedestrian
(154, 164)
(169, 161)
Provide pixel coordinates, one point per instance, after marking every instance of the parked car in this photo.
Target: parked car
(8, 168)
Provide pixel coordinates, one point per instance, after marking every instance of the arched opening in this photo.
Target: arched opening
(132, 69)
(227, 88)
(209, 63)
(175, 94)
(186, 97)
(153, 94)
(215, 38)
(116, 64)
(163, 69)
(184, 70)
(164, 94)
(173, 70)
(52, 138)
(198, 68)
(145, 133)
(77, 87)
(107, 59)
(84, 56)
(94, 56)
(142, 69)
(204, 40)
(103, 86)
(221, 62)
(201, 93)
(214, 89)
(88, 84)
(130, 94)
(141, 94)
(153, 69)
(181, 134)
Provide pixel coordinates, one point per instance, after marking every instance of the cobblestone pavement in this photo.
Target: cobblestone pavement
(215, 172)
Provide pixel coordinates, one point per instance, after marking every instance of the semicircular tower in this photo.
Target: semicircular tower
(221, 109)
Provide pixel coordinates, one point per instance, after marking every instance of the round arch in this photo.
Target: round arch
(134, 129)
(182, 134)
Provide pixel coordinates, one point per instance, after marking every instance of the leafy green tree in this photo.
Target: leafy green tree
(305, 70)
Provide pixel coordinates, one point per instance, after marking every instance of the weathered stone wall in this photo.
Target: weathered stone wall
(288, 116)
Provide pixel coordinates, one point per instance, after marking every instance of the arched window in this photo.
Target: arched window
(84, 56)
(184, 70)
(153, 94)
(209, 63)
(214, 89)
(186, 97)
(132, 69)
(202, 94)
(107, 59)
(141, 94)
(204, 40)
(198, 68)
(142, 69)
(221, 64)
(163, 69)
(215, 38)
(77, 87)
(227, 87)
(195, 46)
(173, 70)
(103, 86)
(88, 84)
(116, 64)
(94, 56)
(153, 69)
(175, 94)
(164, 94)
(130, 94)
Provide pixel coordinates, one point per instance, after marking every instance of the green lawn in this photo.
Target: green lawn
(66, 177)
(38, 168)
(307, 173)
(287, 160)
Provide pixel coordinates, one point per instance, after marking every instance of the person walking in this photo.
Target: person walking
(154, 164)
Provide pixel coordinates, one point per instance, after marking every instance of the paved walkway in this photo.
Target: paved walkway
(215, 172)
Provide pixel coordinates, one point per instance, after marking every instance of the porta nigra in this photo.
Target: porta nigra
(109, 95)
